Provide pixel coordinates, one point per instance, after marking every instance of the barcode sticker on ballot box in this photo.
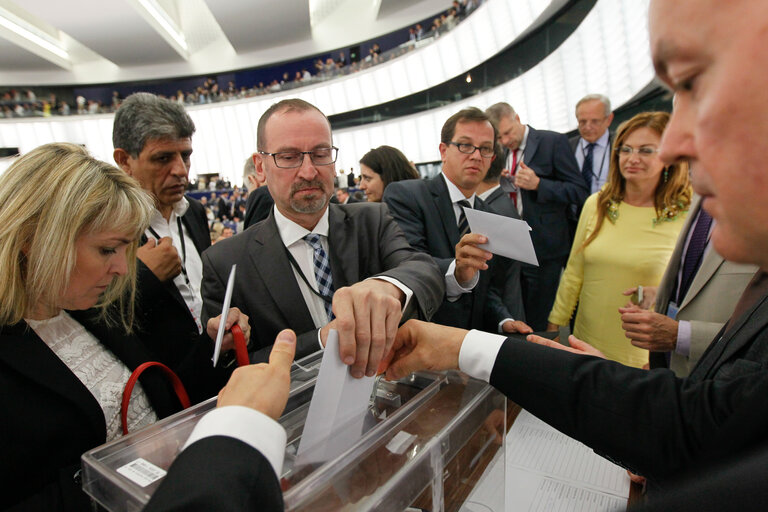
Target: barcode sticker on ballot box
(141, 472)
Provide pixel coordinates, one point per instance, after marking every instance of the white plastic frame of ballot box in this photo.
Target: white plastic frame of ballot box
(426, 442)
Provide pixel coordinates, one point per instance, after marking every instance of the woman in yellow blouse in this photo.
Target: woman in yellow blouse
(625, 236)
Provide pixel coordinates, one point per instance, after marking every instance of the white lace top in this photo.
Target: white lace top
(98, 369)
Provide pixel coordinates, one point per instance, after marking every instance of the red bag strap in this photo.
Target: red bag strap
(241, 348)
(178, 387)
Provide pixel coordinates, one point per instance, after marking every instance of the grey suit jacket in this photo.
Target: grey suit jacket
(709, 301)
(424, 210)
(511, 293)
(364, 241)
(550, 156)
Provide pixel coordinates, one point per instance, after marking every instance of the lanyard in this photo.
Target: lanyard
(602, 161)
(295, 265)
(183, 249)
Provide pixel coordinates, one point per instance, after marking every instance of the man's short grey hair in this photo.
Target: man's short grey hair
(143, 116)
(248, 168)
(599, 97)
(499, 111)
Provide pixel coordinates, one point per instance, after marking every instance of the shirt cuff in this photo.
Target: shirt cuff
(499, 327)
(478, 353)
(407, 291)
(247, 425)
(683, 346)
(453, 290)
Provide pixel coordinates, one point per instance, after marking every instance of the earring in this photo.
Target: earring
(666, 175)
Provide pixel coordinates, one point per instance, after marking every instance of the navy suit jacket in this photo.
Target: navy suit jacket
(257, 206)
(424, 210)
(549, 155)
(511, 291)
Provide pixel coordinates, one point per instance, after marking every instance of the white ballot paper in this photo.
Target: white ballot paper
(506, 236)
(338, 409)
(224, 313)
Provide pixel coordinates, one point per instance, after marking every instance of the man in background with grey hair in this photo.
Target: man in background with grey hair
(152, 139)
(592, 147)
(547, 181)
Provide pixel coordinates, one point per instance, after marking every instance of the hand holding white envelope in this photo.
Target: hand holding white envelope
(506, 236)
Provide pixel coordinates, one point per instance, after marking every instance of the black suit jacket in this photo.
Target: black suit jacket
(511, 291)
(50, 418)
(218, 473)
(650, 421)
(364, 241)
(424, 210)
(257, 206)
(161, 313)
(737, 485)
(549, 155)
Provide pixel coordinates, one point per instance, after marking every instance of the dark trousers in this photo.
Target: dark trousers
(539, 290)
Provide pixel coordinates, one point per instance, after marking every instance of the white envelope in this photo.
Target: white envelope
(506, 236)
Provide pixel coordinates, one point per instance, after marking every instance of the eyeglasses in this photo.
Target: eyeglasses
(643, 151)
(485, 151)
(294, 159)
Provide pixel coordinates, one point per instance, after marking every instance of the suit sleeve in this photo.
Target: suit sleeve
(218, 473)
(650, 422)
(566, 185)
(414, 269)
(406, 210)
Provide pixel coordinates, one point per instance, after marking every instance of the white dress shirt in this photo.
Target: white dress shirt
(192, 262)
(293, 237)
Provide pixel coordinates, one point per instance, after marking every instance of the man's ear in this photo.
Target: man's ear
(443, 148)
(122, 159)
(258, 163)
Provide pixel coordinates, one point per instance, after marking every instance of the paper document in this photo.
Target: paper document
(506, 236)
(549, 471)
(339, 408)
(224, 313)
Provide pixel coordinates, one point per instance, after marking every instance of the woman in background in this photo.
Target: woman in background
(625, 236)
(381, 166)
(69, 230)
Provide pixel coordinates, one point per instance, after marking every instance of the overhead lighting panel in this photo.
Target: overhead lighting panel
(35, 36)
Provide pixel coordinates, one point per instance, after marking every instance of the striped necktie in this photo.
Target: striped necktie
(322, 267)
(463, 223)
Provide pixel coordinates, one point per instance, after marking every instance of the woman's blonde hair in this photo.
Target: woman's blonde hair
(673, 192)
(48, 198)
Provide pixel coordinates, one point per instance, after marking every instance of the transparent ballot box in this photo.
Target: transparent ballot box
(424, 441)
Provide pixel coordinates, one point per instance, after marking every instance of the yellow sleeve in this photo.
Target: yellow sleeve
(573, 277)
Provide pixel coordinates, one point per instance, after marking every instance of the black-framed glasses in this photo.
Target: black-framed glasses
(294, 159)
(643, 151)
(468, 149)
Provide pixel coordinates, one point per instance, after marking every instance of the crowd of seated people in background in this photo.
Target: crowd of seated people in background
(16, 102)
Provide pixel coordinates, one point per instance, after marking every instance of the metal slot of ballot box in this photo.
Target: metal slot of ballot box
(424, 442)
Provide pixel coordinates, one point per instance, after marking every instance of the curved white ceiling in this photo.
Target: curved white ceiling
(117, 40)
(608, 53)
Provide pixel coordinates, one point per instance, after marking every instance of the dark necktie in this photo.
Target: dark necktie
(322, 270)
(695, 252)
(586, 167)
(463, 223)
(512, 172)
